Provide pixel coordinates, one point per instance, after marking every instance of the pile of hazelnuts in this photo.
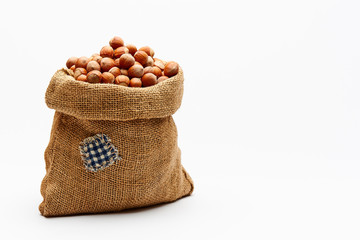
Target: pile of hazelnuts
(122, 65)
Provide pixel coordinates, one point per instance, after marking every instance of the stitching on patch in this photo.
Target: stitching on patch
(98, 152)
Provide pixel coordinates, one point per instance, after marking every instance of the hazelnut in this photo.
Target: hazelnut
(162, 78)
(154, 70)
(115, 71)
(171, 69)
(126, 61)
(106, 64)
(137, 63)
(135, 82)
(71, 62)
(150, 61)
(120, 51)
(147, 70)
(82, 78)
(159, 63)
(122, 80)
(148, 50)
(95, 55)
(136, 71)
(97, 59)
(107, 77)
(141, 57)
(82, 62)
(132, 49)
(92, 65)
(116, 42)
(157, 71)
(117, 62)
(124, 72)
(107, 51)
(79, 71)
(94, 76)
(72, 67)
(148, 79)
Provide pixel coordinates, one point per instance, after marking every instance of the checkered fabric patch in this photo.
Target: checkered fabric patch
(98, 152)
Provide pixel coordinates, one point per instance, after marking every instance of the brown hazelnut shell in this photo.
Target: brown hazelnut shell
(107, 77)
(106, 64)
(94, 76)
(141, 57)
(136, 71)
(135, 82)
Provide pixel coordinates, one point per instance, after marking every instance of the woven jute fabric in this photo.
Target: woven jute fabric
(140, 125)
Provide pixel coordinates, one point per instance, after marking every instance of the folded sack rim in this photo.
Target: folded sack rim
(113, 102)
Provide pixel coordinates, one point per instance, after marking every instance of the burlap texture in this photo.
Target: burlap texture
(141, 127)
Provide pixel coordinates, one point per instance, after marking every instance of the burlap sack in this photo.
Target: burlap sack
(139, 123)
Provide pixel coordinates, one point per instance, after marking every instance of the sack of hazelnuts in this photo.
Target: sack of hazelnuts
(113, 143)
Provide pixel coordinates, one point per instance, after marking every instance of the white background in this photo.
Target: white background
(269, 126)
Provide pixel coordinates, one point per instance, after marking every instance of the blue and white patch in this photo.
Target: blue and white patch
(98, 152)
